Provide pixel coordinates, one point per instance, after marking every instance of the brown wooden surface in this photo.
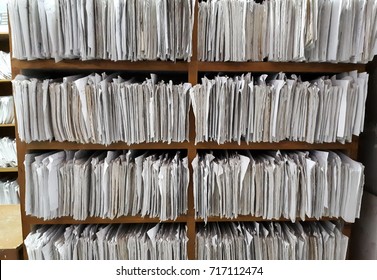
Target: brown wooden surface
(194, 71)
(10, 226)
(8, 169)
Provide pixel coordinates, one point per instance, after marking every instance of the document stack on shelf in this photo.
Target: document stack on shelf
(6, 110)
(271, 241)
(275, 185)
(106, 184)
(101, 109)
(92, 29)
(276, 108)
(279, 30)
(9, 192)
(8, 152)
(5, 67)
(108, 242)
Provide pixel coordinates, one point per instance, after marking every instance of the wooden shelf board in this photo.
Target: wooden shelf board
(101, 65)
(7, 125)
(166, 66)
(96, 220)
(260, 219)
(5, 81)
(115, 146)
(274, 67)
(10, 226)
(8, 169)
(284, 145)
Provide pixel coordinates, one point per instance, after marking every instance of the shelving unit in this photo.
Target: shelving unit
(10, 215)
(194, 71)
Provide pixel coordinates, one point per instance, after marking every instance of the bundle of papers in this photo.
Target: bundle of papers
(102, 29)
(279, 108)
(106, 184)
(271, 241)
(5, 67)
(101, 109)
(277, 185)
(9, 192)
(280, 30)
(6, 110)
(108, 242)
(8, 152)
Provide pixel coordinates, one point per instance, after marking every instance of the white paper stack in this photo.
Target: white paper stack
(276, 108)
(101, 109)
(9, 192)
(280, 30)
(6, 110)
(108, 242)
(276, 185)
(5, 67)
(103, 184)
(271, 241)
(8, 152)
(102, 29)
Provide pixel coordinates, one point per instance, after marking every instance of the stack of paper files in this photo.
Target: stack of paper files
(271, 241)
(6, 110)
(101, 109)
(274, 185)
(108, 242)
(8, 152)
(102, 29)
(281, 30)
(9, 192)
(276, 108)
(5, 68)
(106, 184)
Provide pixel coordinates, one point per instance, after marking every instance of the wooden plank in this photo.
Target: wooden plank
(115, 146)
(243, 218)
(97, 220)
(100, 65)
(8, 169)
(7, 125)
(274, 67)
(10, 227)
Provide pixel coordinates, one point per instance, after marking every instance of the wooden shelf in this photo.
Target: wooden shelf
(101, 65)
(8, 169)
(7, 125)
(45, 145)
(284, 145)
(97, 220)
(183, 66)
(274, 67)
(5, 81)
(242, 218)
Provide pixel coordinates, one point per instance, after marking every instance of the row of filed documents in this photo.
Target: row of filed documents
(9, 192)
(107, 109)
(102, 29)
(6, 110)
(228, 30)
(101, 109)
(271, 241)
(216, 241)
(8, 152)
(106, 184)
(280, 30)
(108, 242)
(276, 108)
(271, 185)
(277, 184)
